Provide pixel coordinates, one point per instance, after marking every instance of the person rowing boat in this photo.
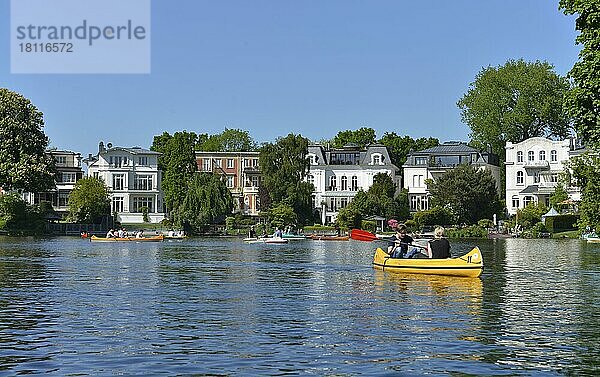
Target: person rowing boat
(400, 242)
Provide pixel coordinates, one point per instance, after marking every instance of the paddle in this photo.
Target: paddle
(363, 235)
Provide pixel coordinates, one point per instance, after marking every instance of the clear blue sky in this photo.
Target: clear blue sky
(307, 66)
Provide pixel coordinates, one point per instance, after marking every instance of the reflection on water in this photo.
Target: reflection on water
(68, 306)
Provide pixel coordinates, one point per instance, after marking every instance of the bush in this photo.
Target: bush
(473, 231)
(369, 226)
(411, 225)
(485, 223)
(434, 216)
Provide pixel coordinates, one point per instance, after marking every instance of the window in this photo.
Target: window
(520, 156)
(333, 183)
(143, 161)
(554, 178)
(542, 155)
(206, 165)
(332, 204)
(414, 203)
(218, 162)
(254, 180)
(117, 204)
(553, 156)
(344, 180)
(310, 179)
(230, 181)
(311, 159)
(420, 160)
(117, 161)
(376, 159)
(515, 202)
(63, 199)
(61, 160)
(69, 177)
(519, 178)
(96, 174)
(140, 202)
(343, 159)
(424, 203)
(230, 163)
(118, 181)
(530, 156)
(354, 183)
(417, 181)
(527, 200)
(142, 182)
(536, 177)
(343, 202)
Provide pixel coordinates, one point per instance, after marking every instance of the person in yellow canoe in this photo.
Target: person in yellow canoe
(439, 247)
(400, 241)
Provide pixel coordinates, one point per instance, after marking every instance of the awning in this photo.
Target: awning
(532, 189)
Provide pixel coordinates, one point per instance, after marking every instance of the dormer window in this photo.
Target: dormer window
(376, 159)
(312, 159)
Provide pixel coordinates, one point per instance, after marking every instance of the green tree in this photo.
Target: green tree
(207, 200)
(400, 147)
(383, 185)
(24, 164)
(586, 175)
(230, 140)
(435, 216)
(17, 215)
(361, 137)
(283, 166)
(468, 192)
(514, 102)
(559, 195)
(531, 214)
(282, 215)
(178, 163)
(89, 201)
(583, 100)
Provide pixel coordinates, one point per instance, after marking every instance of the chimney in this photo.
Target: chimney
(101, 147)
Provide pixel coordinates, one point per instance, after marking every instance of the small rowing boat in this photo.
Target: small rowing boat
(127, 239)
(593, 239)
(274, 240)
(468, 265)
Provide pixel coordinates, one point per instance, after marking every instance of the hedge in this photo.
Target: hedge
(561, 223)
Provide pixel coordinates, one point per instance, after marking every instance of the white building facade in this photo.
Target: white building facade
(338, 174)
(433, 162)
(68, 172)
(133, 179)
(533, 169)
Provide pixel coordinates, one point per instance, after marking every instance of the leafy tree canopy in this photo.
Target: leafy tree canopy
(383, 185)
(178, 163)
(400, 147)
(586, 172)
(207, 200)
(89, 201)
(583, 100)
(514, 102)
(283, 166)
(468, 192)
(282, 215)
(361, 137)
(230, 140)
(24, 164)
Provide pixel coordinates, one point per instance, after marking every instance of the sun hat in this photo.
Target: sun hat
(392, 223)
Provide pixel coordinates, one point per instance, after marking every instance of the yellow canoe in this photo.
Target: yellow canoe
(127, 239)
(468, 265)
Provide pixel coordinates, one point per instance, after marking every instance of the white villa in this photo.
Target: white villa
(133, 179)
(68, 168)
(433, 162)
(338, 174)
(533, 169)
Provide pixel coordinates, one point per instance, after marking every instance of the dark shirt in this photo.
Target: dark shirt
(406, 240)
(440, 248)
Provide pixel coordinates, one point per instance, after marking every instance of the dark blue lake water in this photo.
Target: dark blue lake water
(222, 307)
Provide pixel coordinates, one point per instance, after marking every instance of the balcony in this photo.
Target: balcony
(542, 165)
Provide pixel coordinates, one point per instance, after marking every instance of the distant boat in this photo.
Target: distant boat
(127, 239)
(317, 237)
